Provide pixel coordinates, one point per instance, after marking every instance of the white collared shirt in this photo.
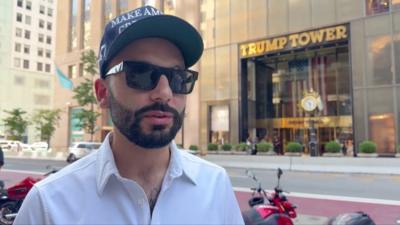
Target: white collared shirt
(91, 191)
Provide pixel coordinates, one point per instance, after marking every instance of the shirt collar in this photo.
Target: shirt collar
(105, 165)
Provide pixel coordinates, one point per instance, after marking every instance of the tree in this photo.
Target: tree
(84, 94)
(45, 122)
(15, 124)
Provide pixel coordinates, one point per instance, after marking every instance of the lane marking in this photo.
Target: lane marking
(23, 171)
(331, 197)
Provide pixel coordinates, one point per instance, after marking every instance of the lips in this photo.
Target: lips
(158, 117)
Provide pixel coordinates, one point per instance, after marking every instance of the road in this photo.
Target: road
(317, 195)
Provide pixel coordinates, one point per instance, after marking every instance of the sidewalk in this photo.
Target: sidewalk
(375, 165)
(388, 166)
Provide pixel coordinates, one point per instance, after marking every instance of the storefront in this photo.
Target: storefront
(278, 73)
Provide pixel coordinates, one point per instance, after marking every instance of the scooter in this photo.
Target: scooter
(276, 211)
(11, 198)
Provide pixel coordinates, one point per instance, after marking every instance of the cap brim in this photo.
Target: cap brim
(168, 27)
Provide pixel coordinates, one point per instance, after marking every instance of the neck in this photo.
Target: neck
(136, 163)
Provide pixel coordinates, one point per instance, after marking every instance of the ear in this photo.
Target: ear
(101, 90)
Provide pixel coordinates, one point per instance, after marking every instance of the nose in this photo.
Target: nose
(162, 92)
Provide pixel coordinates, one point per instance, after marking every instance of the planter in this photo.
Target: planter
(367, 155)
(331, 154)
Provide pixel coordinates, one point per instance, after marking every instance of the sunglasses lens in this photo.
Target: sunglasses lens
(145, 76)
(140, 75)
(181, 82)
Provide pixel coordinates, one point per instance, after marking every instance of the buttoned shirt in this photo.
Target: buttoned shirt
(91, 191)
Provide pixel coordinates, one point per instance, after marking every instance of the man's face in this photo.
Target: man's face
(149, 119)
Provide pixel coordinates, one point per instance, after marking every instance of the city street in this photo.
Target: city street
(317, 195)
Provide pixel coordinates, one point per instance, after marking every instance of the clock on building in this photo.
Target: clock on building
(310, 101)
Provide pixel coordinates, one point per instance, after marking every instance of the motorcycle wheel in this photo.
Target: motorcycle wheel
(7, 208)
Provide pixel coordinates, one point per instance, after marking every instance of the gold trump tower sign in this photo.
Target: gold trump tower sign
(292, 41)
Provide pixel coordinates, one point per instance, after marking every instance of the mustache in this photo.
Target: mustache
(156, 107)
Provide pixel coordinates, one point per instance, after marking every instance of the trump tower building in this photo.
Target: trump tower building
(283, 70)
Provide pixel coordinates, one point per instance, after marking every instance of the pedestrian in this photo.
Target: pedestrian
(138, 175)
(1, 157)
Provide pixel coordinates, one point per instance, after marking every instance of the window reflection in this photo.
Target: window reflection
(376, 6)
(73, 41)
(378, 62)
(86, 24)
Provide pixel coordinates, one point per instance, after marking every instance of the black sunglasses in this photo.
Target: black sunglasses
(145, 76)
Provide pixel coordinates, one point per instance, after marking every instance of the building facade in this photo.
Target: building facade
(27, 53)
(262, 61)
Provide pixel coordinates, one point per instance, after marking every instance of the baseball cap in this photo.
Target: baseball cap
(146, 22)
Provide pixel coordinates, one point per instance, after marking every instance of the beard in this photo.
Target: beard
(128, 123)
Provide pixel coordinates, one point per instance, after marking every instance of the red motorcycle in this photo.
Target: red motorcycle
(11, 198)
(277, 211)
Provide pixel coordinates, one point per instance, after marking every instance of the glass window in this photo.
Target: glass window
(27, 34)
(41, 38)
(73, 39)
(376, 6)
(39, 66)
(18, 32)
(48, 40)
(17, 62)
(41, 9)
(379, 61)
(40, 52)
(48, 68)
(17, 47)
(49, 26)
(27, 49)
(219, 132)
(41, 23)
(19, 3)
(50, 12)
(86, 24)
(381, 119)
(48, 54)
(28, 5)
(19, 17)
(28, 20)
(72, 72)
(26, 64)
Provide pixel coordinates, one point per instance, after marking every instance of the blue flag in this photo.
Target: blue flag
(65, 82)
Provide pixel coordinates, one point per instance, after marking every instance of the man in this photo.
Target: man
(138, 176)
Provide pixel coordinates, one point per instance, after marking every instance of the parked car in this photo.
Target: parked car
(10, 145)
(81, 149)
(40, 146)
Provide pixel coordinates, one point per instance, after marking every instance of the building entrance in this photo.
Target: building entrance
(276, 84)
